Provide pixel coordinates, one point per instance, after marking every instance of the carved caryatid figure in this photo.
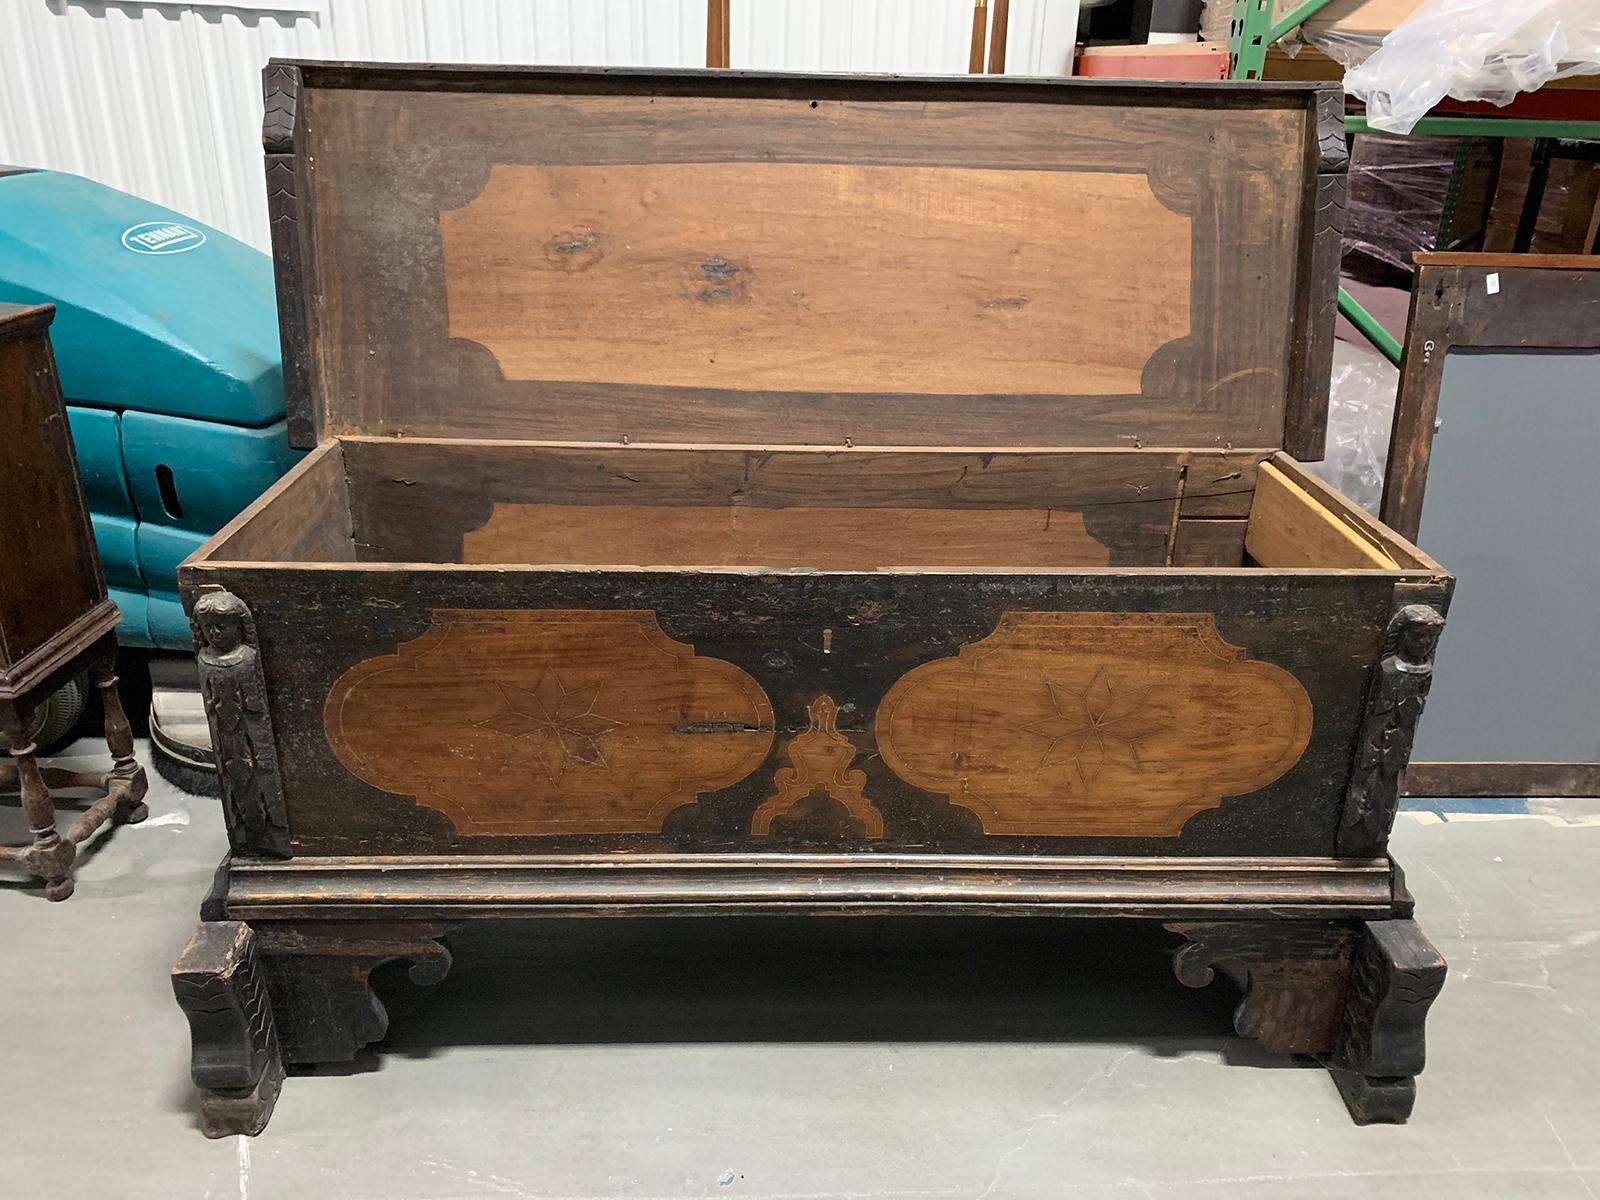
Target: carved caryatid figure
(1395, 705)
(235, 693)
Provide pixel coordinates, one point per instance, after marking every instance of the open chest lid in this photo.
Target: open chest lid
(759, 259)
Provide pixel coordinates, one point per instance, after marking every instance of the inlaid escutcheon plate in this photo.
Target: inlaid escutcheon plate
(548, 721)
(1094, 724)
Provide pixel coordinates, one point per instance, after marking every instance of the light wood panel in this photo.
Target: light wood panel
(1113, 724)
(548, 721)
(303, 517)
(818, 538)
(808, 277)
(1288, 528)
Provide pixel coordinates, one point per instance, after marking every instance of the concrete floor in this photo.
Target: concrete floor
(810, 1059)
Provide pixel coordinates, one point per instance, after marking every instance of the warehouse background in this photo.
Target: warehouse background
(164, 100)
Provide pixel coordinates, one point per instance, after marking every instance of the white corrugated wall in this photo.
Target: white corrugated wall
(164, 100)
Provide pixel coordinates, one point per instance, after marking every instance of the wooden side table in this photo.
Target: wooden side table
(55, 619)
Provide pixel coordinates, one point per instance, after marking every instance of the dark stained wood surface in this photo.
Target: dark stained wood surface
(1209, 543)
(658, 229)
(49, 567)
(799, 636)
(336, 889)
(1503, 779)
(1540, 302)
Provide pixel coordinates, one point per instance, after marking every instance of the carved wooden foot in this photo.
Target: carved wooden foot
(1356, 995)
(50, 856)
(320, 977)
(1395, 976)
(1293, 974)
(222, 989)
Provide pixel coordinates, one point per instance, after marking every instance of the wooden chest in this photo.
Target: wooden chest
(744, 493)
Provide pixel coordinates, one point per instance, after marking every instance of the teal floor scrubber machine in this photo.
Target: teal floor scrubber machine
(166, 336)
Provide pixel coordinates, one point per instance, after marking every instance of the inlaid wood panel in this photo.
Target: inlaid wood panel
(548, 721)
(764, 275)
(1113, 724)
(782, 260)
(820, 759)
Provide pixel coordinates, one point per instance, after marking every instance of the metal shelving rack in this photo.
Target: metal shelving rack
(1254, 32)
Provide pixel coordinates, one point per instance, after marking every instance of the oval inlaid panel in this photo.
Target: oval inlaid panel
(528, 722)
(1094, 724)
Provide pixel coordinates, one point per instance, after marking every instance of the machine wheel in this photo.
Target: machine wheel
(56, 717)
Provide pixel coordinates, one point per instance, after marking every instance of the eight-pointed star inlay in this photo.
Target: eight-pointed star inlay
(562, 724)
(1094, 725)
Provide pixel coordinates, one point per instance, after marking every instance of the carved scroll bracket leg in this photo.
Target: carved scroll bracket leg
(1395, 976)
(222, 989)
(320, 977)
(1293, 974)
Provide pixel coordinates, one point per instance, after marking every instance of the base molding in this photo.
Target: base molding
(453, 888)
(280, 971)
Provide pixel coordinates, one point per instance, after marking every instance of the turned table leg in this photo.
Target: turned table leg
(127, 777)
(50, 856)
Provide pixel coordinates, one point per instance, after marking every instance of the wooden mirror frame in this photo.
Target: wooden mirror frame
(1538, 302)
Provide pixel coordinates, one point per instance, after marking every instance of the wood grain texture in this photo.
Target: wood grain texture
(1118, 724)
(820, 762)
(303, 517)
(1324, 628)
(1207, 543)
(1454, 779)
(1288, 528)
(1541, 302)
(220, 985)
(280, 133)
(443, 501)
(403, 157)
(492, 888)
(818, 539)
(1365, 526)
(51, 569)
(1316, 296)
(548, 721)
(1395, 977)
(1294, 976)
(819, 277)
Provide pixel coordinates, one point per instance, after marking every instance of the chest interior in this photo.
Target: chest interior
(366, 500)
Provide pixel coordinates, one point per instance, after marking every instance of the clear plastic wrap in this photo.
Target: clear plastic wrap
(1398, 187)
(1473, 50)
(1360, 416)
